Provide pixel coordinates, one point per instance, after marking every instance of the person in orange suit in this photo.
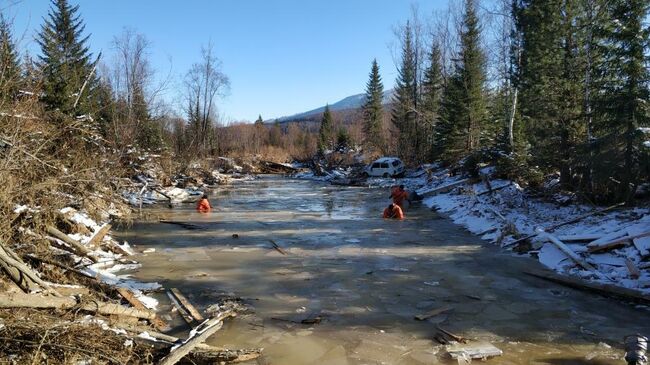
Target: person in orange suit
(203, 205)
(393, 211)
(398, 194)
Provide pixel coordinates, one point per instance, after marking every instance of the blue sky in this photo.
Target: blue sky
(282, 57)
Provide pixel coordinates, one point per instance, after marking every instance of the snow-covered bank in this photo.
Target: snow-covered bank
(506, 213)
(112, 257)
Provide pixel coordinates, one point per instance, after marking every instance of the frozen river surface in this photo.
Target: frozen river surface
(367, 278)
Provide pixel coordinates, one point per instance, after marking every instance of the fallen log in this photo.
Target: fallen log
(600, 288)
(188, 306)
(444, 189)
(58, 264)
(567, 251)
(20, 273)
(157, 322)
(493, 189)
(22, 300)
(564, 223)
(615, 243)
(79, 249)
(202, 353)
(198, 335)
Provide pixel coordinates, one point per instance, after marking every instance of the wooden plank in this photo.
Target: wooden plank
(183, 312)
(580, 237)
(200, 334)
(186, 303)
(634, 272)
(618, 242)
(609, 237)
(432, 313)
(640, 239)
(157, 322)
(603, 289)
(97, 238)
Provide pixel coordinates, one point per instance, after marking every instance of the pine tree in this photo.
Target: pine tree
(622, 106)
(326, 132)
(465, 114)
(65, 59)
(259, 120)
(9, 65)
(404, 115)
(432, 89)
(373, 110)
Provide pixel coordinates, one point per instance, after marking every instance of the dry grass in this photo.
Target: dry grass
(42, 337)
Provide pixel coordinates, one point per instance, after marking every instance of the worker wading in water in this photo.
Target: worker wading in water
(393, 211)
(398, 194)
(203, 205)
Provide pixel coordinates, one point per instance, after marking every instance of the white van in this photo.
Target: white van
(385, 167)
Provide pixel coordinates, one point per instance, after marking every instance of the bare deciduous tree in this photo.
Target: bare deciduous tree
(204, 83)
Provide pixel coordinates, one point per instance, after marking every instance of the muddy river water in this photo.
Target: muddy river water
(367, 278)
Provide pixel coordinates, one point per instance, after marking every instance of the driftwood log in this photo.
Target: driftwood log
(79, 249)
(201, 333)
(22, 300)
(603, 289)
(20, 273)
(564, 223)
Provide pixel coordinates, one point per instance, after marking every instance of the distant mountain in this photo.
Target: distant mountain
(348, 103)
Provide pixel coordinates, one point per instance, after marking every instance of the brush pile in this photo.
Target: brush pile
(62, 300)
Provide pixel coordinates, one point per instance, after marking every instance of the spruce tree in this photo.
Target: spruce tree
(9, 65)
(65, 60)
(373, 110)
(259, 120)
(552, 84)
(465, 111)
(623, 99)
(404, 115)
(326, 132)
(432, 89)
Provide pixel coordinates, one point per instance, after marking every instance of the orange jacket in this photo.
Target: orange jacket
(396, 213)
(203, 206)
(399, 196)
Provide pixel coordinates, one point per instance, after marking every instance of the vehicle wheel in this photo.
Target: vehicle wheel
(385, 175)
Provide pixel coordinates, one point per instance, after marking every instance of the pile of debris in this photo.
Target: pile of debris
(62, 290)
(603, 249)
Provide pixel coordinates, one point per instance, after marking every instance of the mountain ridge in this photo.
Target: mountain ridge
(348, 103)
